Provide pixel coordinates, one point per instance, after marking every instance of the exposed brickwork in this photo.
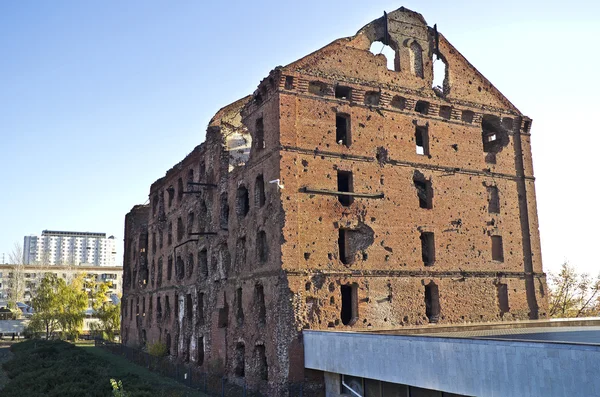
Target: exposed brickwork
(441, 224)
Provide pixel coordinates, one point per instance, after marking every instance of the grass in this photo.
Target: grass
(56, 368)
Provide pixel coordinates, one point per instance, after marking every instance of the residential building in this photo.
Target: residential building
(70, 248)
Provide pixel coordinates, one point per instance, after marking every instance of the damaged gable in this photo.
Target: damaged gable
(238, 141)
(417, 47)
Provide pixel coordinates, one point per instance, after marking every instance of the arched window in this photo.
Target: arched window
(416, 53)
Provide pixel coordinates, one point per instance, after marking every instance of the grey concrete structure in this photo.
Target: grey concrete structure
(475, 366)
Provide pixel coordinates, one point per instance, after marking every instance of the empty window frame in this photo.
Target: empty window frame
(502, 290)
(239, 306)
(203, 263)
(422, 140)
(344, 249)
(179, 189)
(416, 53)
(189, 307)
(261, 362)
(200, 347)
(259, 191)
(467, 116)
(239, 367)
(445, 112)
(422, 107)
(424, 192)
(224, 216)
(289, 82)
(345, 184)
(349, 298)
(242, 203)
(179, 268)
(170, 233)
(190, 222)
(497, 249)
(169, 268)
(493, 200)
(259, 133)
(342, 129)
(259, 296)
(317, 88)
(372, 98)
(190, 265)
(427, 248)
(343, 92)
(432, 302)
(398, 102)
(180, 229)
(262, 248)
(200, 309)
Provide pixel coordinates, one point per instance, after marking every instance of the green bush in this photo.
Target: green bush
(157, 349)
(55, 368)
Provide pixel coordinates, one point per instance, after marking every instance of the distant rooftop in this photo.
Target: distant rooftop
(72, 234)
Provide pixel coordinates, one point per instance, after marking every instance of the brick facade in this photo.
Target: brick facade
(251, 239)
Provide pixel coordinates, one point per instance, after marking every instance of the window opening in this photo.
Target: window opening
(391, 56)
(440, 75)
(446, 112)
(416, 53)
(432, 302)
(372, 98)
(200, 347)
(493, 200)
(190, 222)
(424, 191)
(497, 249)
(259, 191)
(427, 248)
(289, 82)
(239, 314)
(342, 92)
(169, 268)
(242, 201)
(342, 129)
(189, 307)
(190, 265)
(345, 184)
(260, 304)
(224, 218)
(503, 298)
(422, 140)
(223, 320)
(180, 229)
(203, 263)
(317, 88)
(422, 107)
(398, 102)
(179, 189)
(260, 134)
(200, 308)
(261, 358)
(349, 311)
(240, 353)
(262, 247)
(467, 116)
(179, 268)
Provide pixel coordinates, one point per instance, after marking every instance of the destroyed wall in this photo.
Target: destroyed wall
(444, 204)
(340, 195)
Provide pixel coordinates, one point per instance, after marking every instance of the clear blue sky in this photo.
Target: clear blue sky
(99, 98)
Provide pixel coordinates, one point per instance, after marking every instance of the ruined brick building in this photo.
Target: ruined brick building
(342, 194)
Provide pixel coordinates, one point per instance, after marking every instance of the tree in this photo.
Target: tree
(74, 301)
(573, 294)
(46, 305)
(59, 305)
(16, 281)
(105, 310)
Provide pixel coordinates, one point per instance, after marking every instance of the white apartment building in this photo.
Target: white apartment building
(70, 248)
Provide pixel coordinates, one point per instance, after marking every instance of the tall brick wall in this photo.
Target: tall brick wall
(438, 223)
